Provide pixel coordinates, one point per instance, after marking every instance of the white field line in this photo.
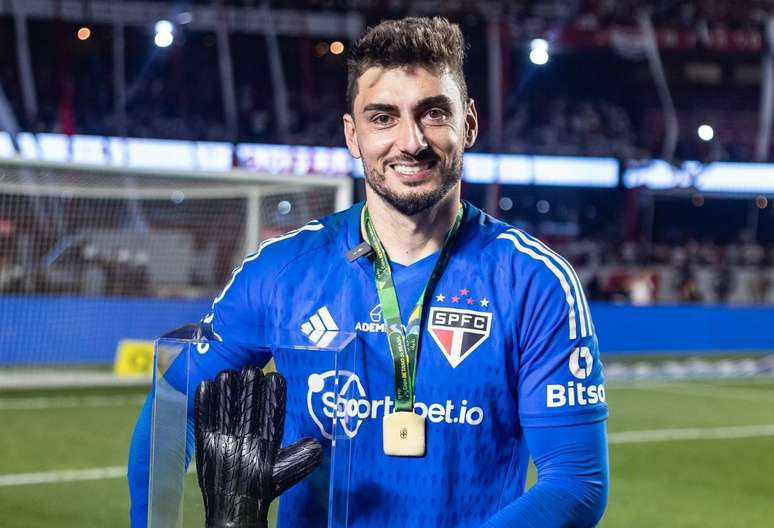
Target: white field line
(70, 475)
(621, 437)
(703, 433)
(24, 404)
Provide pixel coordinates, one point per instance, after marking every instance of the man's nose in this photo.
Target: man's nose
(411, 137)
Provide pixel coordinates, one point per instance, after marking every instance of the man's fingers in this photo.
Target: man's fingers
(205, 423)
(227, 387)
(272, 413)
(295, 462)
(204, 415)
(252, 379)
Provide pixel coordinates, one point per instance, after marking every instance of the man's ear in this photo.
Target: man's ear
(471, 124)
(350, 135)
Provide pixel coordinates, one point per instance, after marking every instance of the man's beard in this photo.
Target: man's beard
(413, 202)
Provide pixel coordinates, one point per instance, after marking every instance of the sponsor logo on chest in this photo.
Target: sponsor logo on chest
(375, 322)
(341, 397)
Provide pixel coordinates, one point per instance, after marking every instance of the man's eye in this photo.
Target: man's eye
(381, 119)
(436, 114)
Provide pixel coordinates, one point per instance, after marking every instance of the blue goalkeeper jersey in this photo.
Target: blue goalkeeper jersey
(507, 343)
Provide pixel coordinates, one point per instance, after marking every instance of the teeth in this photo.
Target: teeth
(405, 169)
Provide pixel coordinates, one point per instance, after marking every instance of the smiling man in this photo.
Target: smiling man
(410, 121)
(478, 346)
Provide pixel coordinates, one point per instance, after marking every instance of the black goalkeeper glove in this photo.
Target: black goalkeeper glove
(239, 424)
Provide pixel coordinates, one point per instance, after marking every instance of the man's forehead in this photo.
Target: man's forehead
(402, 84)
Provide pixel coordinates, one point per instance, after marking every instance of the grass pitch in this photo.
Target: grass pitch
(719, 474)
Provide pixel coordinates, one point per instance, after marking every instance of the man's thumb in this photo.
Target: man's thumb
(295, 462)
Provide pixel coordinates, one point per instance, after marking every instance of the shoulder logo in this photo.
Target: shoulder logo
(574, 392)
(458, 331)
(578, 370)
(320, 328)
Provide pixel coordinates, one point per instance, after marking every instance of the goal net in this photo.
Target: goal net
(93, 257)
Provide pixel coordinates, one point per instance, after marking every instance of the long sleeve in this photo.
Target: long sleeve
(572, 485)
(138, 470)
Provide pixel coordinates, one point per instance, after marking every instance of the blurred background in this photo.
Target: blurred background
(147, 146)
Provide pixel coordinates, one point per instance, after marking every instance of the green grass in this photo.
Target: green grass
(697, 483)
(735, 355)
(691, 483)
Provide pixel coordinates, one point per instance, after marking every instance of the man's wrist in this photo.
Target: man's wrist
(235, 511)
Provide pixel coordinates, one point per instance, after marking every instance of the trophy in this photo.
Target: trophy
(271, 450)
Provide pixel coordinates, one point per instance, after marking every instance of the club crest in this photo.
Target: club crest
(458, 332)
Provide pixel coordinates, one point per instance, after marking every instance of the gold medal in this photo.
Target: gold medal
(403, 433)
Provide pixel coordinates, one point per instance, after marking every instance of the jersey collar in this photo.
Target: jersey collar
(353, 236)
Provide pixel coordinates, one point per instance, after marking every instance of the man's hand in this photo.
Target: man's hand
(239, 424)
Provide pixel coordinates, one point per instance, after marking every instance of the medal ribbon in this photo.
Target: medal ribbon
(404, 344)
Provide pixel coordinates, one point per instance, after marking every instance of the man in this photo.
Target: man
(499, 362)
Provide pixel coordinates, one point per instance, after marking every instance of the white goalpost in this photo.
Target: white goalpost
(90, 255)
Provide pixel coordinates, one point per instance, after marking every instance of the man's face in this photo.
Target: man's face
(410, 128)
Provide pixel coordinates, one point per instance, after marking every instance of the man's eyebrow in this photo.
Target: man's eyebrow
(442, 101)
(380, 107)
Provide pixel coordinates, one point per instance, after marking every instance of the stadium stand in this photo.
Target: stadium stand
(607, 109)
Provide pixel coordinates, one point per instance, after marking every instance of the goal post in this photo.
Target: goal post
(91, 256)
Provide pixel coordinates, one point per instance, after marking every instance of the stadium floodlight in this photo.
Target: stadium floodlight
(706, 132)
(337, 47)
(164, 26)
(163, 40)
(538, 51)
(164, 33)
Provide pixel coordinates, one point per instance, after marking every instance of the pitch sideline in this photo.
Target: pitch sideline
(695, 433)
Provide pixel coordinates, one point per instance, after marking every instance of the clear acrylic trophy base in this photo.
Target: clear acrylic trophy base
(317, 367)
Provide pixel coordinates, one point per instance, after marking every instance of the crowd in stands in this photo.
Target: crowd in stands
(176, 93)
(696, 272)
(631, 273)
(677, 13)
(570, 127)
(682, 13)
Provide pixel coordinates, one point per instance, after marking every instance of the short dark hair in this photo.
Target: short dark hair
(433, 43)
